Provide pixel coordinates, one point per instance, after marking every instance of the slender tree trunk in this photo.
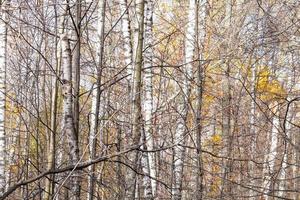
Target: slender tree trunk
(148, 159)
(201, 10)
(259, 53)
(145, 162)
(126, 32)
(226, 131)
(60, 155)
(35, 99)
(297, 167)
(270, 158)
(226, 186)
(68, 121)
(120, 175)
(76, 67)
(286, 171)
(181, 129)
(136, 104)
(3, 35)
(96, 97)
(50, 183)
(283, 175)
(252, 128)
(129, 63)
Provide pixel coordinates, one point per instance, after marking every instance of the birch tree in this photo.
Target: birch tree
(270, 158)
(201, 13)
(178, 99)
(252, 27)
(68, 123)
(127, 39)
(287, 129)
(149, 158)
(96, 94)
(136, 101)
(3, 35)
(76, 65)
(50, 184)
(183, 107)
(226, 105)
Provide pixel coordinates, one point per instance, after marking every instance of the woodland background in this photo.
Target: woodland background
(149, 99)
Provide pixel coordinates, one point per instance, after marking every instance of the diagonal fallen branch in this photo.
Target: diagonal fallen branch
(80, 166)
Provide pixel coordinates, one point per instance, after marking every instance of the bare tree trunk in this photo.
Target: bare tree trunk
(127, 48)
(3, 35)
(145, 164)
(76, 66)
(96, 97)
(297, 167)
(259, 52)
(283, 175)
(68, 123)
(271, 155)
(126, 32)
(286, 171)
(252, 128)
(181, 129)
(136, 104)
(148, 159)
(200, 38)
(50, 183)
(226, 186)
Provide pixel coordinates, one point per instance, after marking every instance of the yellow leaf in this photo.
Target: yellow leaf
(216, 139)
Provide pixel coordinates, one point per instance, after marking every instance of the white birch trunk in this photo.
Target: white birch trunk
(61, 30)
(68, 123)
(181, 129)
(148, 102)
(270, 158)
(2, 101)
(296, 142)
(283, 174)
(96, 112)
(11, 144)
(128, 61)
(252, 129)
(283, 171)
(126, 32)
(295, 137)
(145, 162)
(136, 103)
(50, 184)
(296, 168)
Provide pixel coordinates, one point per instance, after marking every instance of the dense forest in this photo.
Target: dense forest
(150, 99)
